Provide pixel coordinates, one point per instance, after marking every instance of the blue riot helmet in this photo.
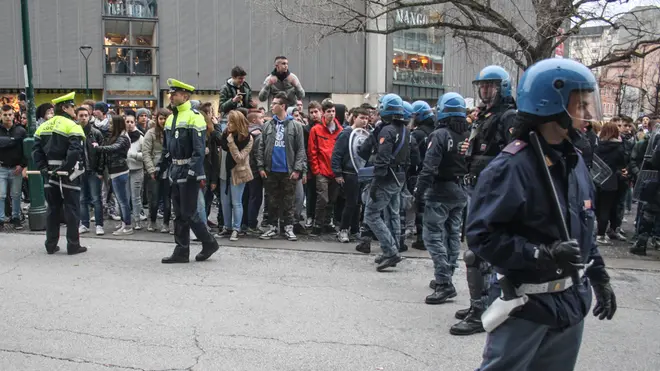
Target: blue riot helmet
(451, 105)
(492, 84)
(421, 110)
(407, 111)
(561, 90)
(390, 107)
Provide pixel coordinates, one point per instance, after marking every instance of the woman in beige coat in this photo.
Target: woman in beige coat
(237, 141)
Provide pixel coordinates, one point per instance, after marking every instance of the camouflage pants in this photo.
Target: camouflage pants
(281, 198)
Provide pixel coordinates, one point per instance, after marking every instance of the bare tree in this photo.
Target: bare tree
(531, 29)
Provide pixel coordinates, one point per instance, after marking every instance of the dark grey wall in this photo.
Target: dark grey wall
(58, 29)
(201, 40)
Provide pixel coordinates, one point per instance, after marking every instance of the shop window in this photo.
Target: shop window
(131, 8)
(130, 61)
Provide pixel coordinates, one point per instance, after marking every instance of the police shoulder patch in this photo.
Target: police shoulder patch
(514, 147)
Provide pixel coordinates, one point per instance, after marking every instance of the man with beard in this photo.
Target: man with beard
(282, 80)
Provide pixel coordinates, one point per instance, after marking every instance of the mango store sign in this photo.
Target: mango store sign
(410, 18)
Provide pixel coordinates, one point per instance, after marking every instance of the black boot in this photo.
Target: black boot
(75, 250)
(471, 324)
(389, 262)
(207, 251)
(52, 250)
(639, 248)
(418, 245)
(364, 246)
(441, 294)
(180, 255)
(402, 245)
(462, 313)
(316, 231)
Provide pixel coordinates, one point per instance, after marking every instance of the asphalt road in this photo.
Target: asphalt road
(265, 306)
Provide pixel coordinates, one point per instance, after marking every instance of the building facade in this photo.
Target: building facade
(136, 45)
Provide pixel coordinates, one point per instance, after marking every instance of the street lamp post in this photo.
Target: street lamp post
(86, 51)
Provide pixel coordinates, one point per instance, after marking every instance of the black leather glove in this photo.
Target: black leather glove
(44, 174)
(605, 301)
(565, 254)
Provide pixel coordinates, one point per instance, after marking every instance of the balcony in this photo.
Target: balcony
(131, 8)
(419, 78)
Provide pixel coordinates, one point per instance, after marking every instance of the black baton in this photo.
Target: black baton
(554, 201)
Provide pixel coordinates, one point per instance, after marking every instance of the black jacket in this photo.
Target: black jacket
(341, 154)
(116, 154)
(94, 159)
(613, 154)
(228, 93)
(11, 146)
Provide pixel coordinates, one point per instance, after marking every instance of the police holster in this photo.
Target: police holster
(502, 308)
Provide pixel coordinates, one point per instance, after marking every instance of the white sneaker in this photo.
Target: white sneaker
(115, 217)
(343, 236)
(270, 233)
(603, 240)
(120, 226)
(99, 230)
(143, 217)
(92, 219)
(125, 231)
(309, 222)
(288, 233)
(82, 229)
(234, 236)
(138, 226)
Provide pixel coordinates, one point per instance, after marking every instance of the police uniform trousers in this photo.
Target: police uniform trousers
(522, 345)
(184, 202)
(478, 273)
(388, 230)
(62, 201)
(442, 236)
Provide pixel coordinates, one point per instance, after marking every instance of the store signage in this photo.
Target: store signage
(411, 18)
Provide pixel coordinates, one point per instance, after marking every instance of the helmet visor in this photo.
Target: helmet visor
(487, 90)
(583, 106)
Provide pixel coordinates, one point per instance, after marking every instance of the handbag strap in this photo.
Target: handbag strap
(400, 146)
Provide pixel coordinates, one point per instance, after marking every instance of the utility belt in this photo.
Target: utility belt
(470, 180)
(181, 162)
(512, 297)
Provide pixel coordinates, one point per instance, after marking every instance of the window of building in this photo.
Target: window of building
(130, 47)
(131, 8)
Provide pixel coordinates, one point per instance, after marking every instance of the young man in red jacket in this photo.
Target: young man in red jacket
(322, 140)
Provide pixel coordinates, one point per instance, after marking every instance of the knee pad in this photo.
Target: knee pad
(471, 259)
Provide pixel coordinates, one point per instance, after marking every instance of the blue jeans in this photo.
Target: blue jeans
(90, 186)
(6, 178)
(232, 204)
(442, 236)
(121, 188)
(201, 207)
(518, 344)
(387, 231)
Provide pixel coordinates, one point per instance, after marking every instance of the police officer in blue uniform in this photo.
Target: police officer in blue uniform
(390, 141)
(441, 186)
(183, 154)
(511, 225)
(490, 133)
(57, 152)
(424, 126)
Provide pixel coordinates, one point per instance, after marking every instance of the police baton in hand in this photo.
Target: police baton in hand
(554, 201)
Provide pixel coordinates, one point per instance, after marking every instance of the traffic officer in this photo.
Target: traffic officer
(424, 126)
(392, 155)
(183, 153)
(440, 185)
(490, 133)
(512, 226)
(58, 147)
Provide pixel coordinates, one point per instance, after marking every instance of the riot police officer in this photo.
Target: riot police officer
(441, 185)
(424, 126)
(183, 153)
(490, 133)
(649, 197)
(512, 225)
(58, 149)
(390, 141)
